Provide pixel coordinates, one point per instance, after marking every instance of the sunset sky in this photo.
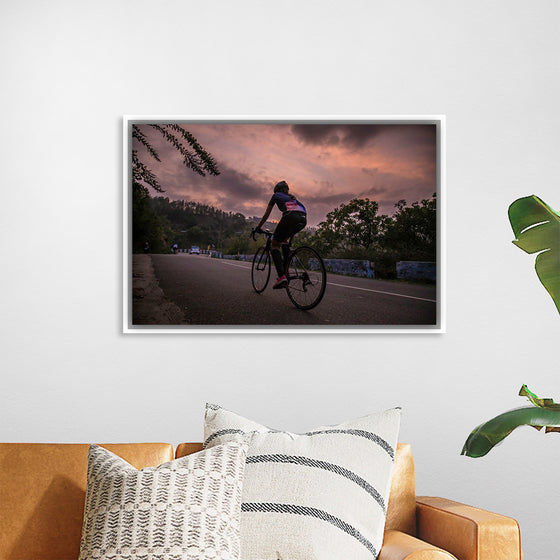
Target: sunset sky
(326, 165)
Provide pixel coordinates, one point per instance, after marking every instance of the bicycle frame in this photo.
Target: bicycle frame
(268, 234)
(268, 246)
(301, 279)
(297, 266)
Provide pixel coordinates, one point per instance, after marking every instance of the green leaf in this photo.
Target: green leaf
(541, 403)
(544, 413)
(487, 435)
(536, 227)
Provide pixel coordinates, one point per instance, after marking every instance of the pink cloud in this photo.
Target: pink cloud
(325, 165)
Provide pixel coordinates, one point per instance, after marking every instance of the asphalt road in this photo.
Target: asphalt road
(219, 292)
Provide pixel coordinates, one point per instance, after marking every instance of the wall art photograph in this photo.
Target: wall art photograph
(283, 224)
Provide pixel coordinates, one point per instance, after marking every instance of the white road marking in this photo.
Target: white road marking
(380, 292)
(237, 265)
(248, 266)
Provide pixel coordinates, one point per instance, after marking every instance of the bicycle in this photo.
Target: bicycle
(305, 271)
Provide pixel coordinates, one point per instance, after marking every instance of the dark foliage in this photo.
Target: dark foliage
(149, 225)
(356, 231)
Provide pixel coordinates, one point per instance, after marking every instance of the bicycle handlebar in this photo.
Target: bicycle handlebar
(254, 232)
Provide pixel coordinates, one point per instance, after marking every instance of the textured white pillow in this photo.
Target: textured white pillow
(187, 509)
(321, 495)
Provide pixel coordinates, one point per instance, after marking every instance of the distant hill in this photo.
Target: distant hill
(190, 223)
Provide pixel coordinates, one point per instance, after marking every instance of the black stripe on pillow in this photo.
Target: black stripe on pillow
(315, 463)
(221, 433)
(360, 433)
(311, 512)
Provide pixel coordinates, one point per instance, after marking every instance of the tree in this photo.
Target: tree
(147, 224)
(195, 157)
(355, 224)
(412, 233)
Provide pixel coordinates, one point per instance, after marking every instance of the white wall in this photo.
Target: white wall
(71, 70)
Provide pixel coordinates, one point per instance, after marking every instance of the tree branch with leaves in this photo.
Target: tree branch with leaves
(195, 157)
(147, 226)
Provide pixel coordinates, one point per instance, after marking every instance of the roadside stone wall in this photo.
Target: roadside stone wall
(236, 257)
(416, 270)
(406, 270)
(346, 267)
(350, 267)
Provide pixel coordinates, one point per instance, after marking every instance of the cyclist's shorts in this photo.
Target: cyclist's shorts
(289, 224)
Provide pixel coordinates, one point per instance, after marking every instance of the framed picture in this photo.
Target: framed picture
(283, 224)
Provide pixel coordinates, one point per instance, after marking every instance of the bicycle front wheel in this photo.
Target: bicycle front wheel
(260, 272)
(307, 278)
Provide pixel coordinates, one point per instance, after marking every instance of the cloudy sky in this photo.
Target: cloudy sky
(326, 165)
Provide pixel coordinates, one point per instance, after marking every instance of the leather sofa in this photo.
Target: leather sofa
(42, 492)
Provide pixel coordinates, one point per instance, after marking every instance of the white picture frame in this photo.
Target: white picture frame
(437, 326)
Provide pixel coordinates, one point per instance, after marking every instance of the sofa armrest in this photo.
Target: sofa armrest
(468, 533)
(401, 546)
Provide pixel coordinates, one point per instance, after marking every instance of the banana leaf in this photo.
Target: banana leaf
(545, 414)
(536, 227)
(537, 401)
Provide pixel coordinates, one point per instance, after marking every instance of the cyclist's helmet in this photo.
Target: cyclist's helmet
(282, 186)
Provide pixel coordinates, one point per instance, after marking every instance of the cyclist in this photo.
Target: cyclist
(294, 219)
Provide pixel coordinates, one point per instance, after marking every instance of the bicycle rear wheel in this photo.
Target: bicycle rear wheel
(260, 271)
(307, 278)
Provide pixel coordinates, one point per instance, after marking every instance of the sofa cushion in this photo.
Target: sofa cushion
(42, 493)
(186, 509)
(322, 494)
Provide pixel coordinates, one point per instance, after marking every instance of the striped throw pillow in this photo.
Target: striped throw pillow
(187, 509)
(313, 496)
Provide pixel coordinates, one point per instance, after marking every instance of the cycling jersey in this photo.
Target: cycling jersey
(286, 203)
